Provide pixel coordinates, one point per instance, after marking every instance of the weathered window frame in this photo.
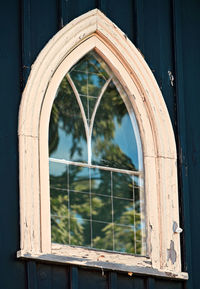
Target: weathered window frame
(94, 30)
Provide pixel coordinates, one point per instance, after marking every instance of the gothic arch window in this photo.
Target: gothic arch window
(97, 156)
(96, 166)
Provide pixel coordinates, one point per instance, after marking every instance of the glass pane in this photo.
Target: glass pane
(122, 185)
(59, 202)
(80, 205)
(59, 230)
(101, 208)
(89, 77)
(67, 138)
(80, 80)
(87, 83)
(123, 211)
(96, 204)
(80, 232)
(79, 179)
(88, 103)
(100, 182)
(97, 65)
(102, 235)
(58, 175)
(91, 104)
(114, 142)
(95, 83)
(124, 239)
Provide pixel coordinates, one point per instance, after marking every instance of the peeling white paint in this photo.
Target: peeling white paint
(171, 77)
(171, 253)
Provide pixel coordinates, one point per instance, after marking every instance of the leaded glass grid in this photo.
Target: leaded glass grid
(96, 166)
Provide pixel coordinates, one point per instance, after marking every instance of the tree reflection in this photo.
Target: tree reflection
(88, 217)
(94, 207)
(66, 117)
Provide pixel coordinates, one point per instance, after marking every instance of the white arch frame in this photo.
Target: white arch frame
(94, 30)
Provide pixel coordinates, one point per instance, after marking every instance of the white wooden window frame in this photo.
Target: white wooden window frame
(94, 30)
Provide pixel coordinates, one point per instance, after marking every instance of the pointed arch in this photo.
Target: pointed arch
(94, 30)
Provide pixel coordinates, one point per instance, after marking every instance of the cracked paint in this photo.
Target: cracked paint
(171, 253)
(175, 226)
(171, 77)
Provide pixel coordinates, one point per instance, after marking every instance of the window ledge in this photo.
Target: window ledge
(100, 259)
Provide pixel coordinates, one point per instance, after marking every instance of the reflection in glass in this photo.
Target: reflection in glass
(80, 231)
(67, 139)
(123, 211)
(101, 208)
(58, 175)
(116, 145)
(59, 230)
(79, 179)
(124, 239)
(101, 240)
(89, 77)
(80, 205)
(100, 182)
(122, 185)
(96, 170)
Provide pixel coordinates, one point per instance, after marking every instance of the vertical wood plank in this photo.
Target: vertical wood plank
(51, 276)
(98, 4)
(44, 24)
(103, 5)
(182, 140)
(71, 9)
(32, 275)
(186, 38)
(12, 271)
(138, 283)
(168, 284)
(63, 16)
(155, 40)
(91, 279)
(26, 40)
(167, 73)
(112, 280)
(33, 17)
(150, 283)
(73, 277)
(122, 14)
(139, 14)
(60, 277)
(44, 275)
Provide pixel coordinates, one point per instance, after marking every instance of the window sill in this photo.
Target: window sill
(100, 259)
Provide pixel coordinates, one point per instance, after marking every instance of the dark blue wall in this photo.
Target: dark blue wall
(167, 34)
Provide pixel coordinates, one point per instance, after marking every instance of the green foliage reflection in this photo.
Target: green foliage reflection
(88, 216)
(94, 207)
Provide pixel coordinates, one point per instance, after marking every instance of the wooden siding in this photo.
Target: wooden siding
(43, 276)
(167, 34)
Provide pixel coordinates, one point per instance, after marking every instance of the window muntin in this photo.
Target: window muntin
(96, 171)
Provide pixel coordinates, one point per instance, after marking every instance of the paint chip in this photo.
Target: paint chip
(171, 77)
(171, 253)
(100, 257)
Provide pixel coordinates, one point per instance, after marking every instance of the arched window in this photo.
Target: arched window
(96, 162)
(97, 156)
